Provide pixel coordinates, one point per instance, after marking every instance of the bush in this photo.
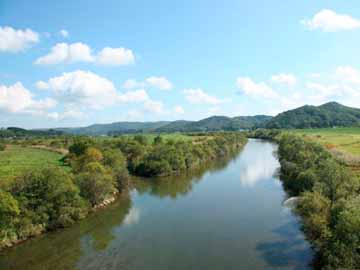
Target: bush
(96, 183)
(49, 197)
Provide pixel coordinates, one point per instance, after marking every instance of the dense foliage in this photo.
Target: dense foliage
(327, 115)
(48, 198)
(329, 199)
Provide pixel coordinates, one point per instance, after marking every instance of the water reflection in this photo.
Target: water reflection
(132, 217)
(200, 220)
(180, 185)
(63, 249)
(256, 166)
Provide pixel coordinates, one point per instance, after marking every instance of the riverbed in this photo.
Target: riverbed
(229, 215)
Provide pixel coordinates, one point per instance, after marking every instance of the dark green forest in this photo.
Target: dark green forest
(331, 114)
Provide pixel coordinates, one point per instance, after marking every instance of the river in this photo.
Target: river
(229, 215)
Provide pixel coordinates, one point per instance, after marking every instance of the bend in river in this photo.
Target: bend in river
(229, 215)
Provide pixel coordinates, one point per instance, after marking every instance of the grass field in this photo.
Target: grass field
(343, 143)
(343, 139)
(16, 159)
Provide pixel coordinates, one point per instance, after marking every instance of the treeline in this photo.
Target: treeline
(46, 199)
(15, 132)
(329, 199)
(51, 198)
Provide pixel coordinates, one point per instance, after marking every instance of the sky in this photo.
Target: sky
(75, 63)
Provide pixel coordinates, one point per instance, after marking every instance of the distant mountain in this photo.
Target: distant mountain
(115, 128)
(331, 114)
(213, 123)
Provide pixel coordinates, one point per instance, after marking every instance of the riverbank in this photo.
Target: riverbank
(329, 203)
(44, 200)
(227, 214)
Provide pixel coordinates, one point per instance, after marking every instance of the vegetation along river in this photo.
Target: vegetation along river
(229, 215)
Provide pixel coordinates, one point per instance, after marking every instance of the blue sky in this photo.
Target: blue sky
(73, 63)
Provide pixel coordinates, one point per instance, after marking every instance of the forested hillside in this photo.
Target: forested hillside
(331, 114)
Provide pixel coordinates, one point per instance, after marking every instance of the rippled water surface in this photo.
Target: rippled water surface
(227, 216)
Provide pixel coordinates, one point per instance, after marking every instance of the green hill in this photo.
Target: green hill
(115, 128)
(215, 123)
(331, 114)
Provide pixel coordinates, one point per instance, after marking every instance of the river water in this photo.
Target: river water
(229, 215)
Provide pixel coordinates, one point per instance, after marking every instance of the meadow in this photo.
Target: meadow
(343, 143)
(15, 160)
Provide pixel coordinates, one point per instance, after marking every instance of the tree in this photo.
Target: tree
(115, 160)
(96, 183)
(49, 197)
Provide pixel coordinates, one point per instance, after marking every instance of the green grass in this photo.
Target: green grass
(15, 160)
(343, 139)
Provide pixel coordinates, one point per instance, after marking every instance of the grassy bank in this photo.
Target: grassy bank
(15, 160)
(329, 200)
(42, 196)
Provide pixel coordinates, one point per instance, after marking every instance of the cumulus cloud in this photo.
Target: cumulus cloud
(131, 84)
(17, 99)
(159, 82)
(179, 110)
(329, 21)
(283, 78)
(115, 56)
(64, 53)
(67, 114)
(64, 33)
(199, 96)
(154, 106)
(348, 74)
(41, 85)
(251, 88)
(13, 41)
(134, 96)
(84, 88)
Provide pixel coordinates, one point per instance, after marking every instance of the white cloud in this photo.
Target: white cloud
(154, 106)
(179, 110)
(67, 53)
(198, 96)
(41, 85)
(64, 53)
(159, 82)
(323, 92)
(282, 78)
(251, 88)
(131, 84)
(84, 88)
(134, 96)
(17, 99)
(348, 74)
(329, 21)
(67, 114)
(13, 41)
(115, 56)
(64, 33)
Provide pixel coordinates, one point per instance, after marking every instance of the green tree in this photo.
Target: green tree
(96, 183)
(49, 197)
